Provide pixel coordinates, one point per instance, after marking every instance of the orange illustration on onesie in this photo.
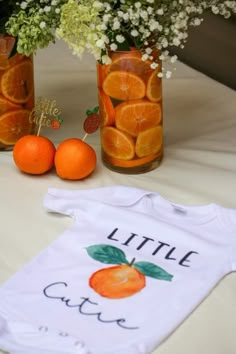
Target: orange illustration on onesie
(123, 279)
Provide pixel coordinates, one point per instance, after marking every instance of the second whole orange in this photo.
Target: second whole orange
(74, 159)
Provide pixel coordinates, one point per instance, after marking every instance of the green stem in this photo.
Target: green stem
(132, 262)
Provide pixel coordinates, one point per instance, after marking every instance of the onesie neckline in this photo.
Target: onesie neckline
(166, 209)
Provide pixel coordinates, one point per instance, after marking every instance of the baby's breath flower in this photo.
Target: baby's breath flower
(168, 74)
(154, 65)
(97, 25)
(144, 56)
(120, 38)
(113, 46)
(47, 8)
(134, 33)
(42, 24)
(24, 5)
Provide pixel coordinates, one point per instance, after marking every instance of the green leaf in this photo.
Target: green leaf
(88, 112)
(151, 270)
(107, 254)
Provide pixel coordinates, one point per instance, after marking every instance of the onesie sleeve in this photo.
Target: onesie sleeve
(68, 201)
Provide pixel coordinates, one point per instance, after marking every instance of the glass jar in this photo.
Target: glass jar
(130, 105)
(16, 93)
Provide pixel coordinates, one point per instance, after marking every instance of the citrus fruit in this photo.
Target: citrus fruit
(106, 109)
(6, 46)
(74, 159)
(131, 62)
(149, 142)
(124, 85)
(136, 116)
(6, 105)
(117, 282)
(154, 87)
(117, 144)
(1, 73)
(13, 125)
(17, 82)
(134, 162)
(102, 71)
(34, 154)
(30, 102)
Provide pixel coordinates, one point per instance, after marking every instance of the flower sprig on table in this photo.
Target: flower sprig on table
(147, 25)
(32, 22)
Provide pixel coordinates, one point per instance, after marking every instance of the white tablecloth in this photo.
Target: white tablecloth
(199, 167)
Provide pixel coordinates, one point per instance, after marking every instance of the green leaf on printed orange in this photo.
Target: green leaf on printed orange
(151, 270)
(107, 254)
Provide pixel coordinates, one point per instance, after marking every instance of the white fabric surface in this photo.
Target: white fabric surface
(199, 167)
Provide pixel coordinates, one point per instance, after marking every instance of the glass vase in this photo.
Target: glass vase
(130, 105)
(16, 93)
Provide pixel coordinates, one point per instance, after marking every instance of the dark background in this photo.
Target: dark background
(211, 49)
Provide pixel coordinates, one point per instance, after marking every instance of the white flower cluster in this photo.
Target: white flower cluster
(147, 25)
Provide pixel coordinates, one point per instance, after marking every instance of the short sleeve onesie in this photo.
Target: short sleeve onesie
(127, 272)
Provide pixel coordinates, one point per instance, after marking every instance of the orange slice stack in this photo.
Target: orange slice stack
(130, 101)
(17, 82)
(6, 105)
(16, 93)
(136, 116)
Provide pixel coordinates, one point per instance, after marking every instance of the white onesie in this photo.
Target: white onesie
(128, 271)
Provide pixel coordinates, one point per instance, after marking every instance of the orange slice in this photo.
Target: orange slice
(13, 125)
(154, 87)
(6, 105)
(136, 116)
(131, 62)
(30, 103)
(1, 73)
(117, 144)
(6, 46)
(123, 85)
(149, 142)
(106, 109)
(133, 163)
(17, 82)
(102, 71)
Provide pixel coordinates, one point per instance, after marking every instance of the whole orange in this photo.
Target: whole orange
(74, 159)
(117, 282)
(34, 154)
